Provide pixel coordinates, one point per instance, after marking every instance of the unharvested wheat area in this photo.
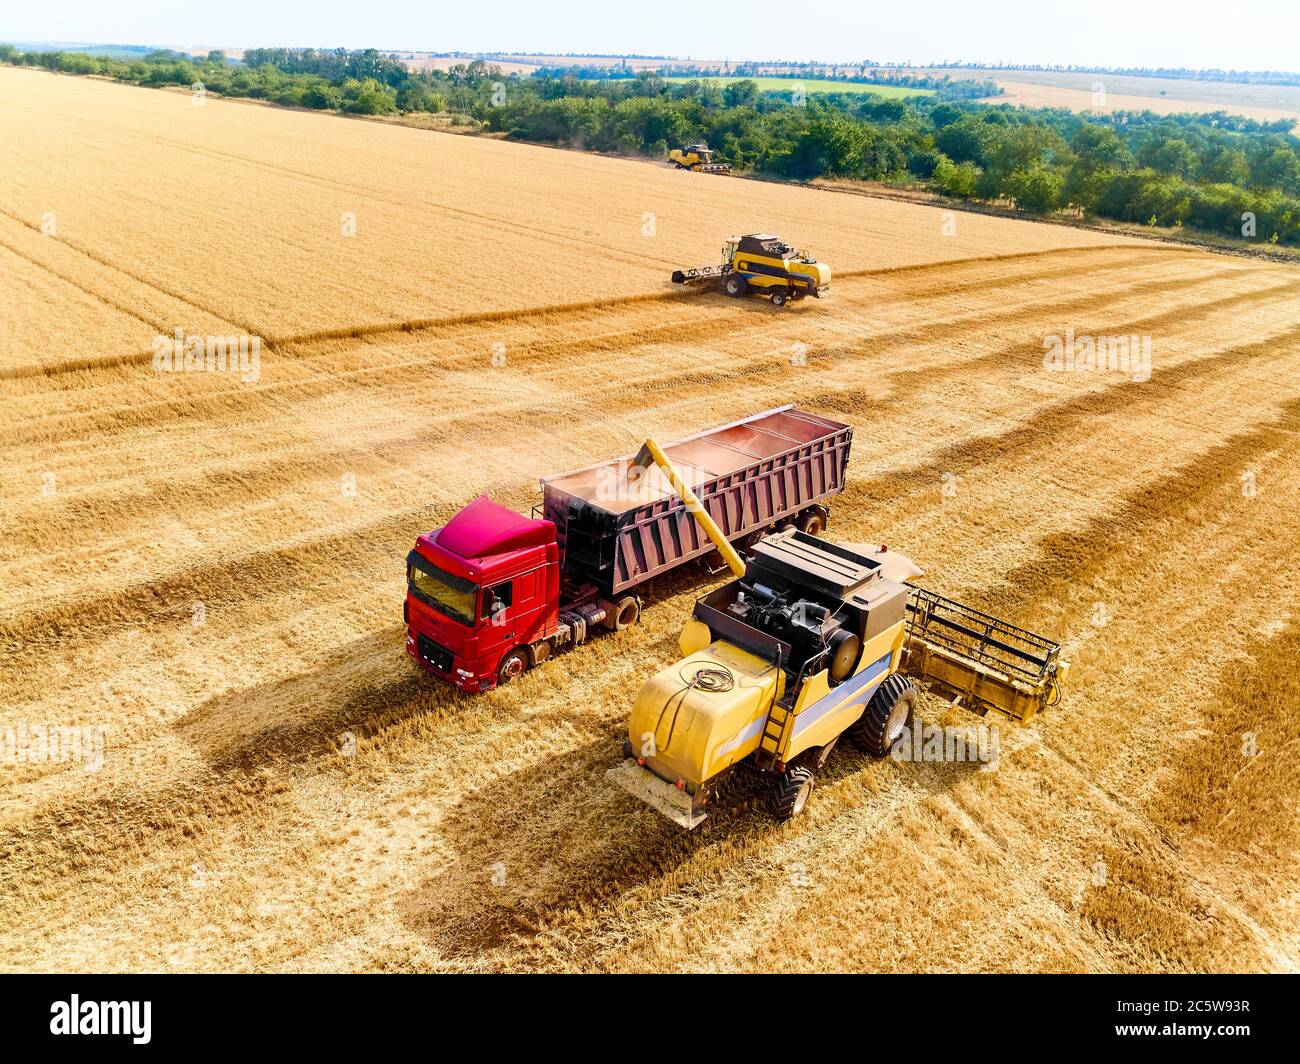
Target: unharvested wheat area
(211, 569)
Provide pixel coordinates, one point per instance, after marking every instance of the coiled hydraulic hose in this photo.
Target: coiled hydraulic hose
(712, 678)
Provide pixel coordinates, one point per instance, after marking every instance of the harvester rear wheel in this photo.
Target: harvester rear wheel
(780, 297)
(513, 664)
(891, 712)
(735, 285)
(790, 792)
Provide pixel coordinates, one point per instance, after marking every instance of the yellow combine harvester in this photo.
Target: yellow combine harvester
(813, 641)
(762, 264)
(697, 157)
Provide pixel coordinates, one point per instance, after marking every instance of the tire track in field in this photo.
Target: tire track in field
(244, 397)
(275, 476)
(99, 297)
(524, 315)
(354, 189)
(95, 257)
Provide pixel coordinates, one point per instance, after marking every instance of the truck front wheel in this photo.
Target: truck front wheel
(790, 792)
(513, 664)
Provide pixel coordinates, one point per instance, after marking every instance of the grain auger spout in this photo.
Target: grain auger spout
(652, 452)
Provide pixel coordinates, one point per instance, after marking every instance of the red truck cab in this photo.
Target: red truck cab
(480, 592)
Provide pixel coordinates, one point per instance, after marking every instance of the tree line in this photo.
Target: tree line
(1220, 173)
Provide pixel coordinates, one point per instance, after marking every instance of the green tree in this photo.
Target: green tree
(955, 179)
(1174, 156)
(1034, 188)
(966, 140)
(741, 93)
(1099, 147)
(367, 97)
(1280, 168)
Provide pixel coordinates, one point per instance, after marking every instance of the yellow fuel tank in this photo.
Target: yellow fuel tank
(699, 715)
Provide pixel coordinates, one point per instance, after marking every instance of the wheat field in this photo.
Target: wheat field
(209, 571)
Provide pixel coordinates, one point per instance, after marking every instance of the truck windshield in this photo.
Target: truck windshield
(450, 595)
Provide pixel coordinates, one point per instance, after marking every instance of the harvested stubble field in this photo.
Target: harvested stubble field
(282, 789)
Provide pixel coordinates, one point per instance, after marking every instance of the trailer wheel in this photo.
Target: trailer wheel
(812, 522)
(780, 297)
(513, 664)
(790, 792)
(735, 285)
(627, 611)
(891, 711)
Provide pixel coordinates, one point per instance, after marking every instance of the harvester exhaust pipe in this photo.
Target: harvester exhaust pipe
(652, 452)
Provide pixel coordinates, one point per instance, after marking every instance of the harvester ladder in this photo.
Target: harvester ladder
(776, 730)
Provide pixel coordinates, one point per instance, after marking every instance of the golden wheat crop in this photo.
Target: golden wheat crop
(211, 569)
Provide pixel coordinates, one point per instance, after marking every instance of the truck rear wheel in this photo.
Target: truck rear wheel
(735, 285)
(790, 792)
(513, 664)
(812, 521)
(890, 713)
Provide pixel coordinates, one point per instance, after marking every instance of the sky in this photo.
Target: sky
(1242, 35)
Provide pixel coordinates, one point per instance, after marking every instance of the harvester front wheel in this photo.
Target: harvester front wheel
(790, 792)
(890, 713)
(513, 664)
(735, 285)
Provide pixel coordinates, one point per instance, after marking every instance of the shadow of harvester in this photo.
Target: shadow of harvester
(552, 861)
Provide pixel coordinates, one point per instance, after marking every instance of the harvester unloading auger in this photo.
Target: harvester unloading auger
(812, 641)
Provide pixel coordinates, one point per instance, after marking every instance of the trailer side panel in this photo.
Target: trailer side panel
(748, 475)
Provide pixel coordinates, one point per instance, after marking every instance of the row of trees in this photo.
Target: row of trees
(1164, 170)
(1243, 77)
(944, 86)
(1226, 175)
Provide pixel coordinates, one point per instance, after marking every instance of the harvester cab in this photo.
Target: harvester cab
(762, 264)
(810, 643)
